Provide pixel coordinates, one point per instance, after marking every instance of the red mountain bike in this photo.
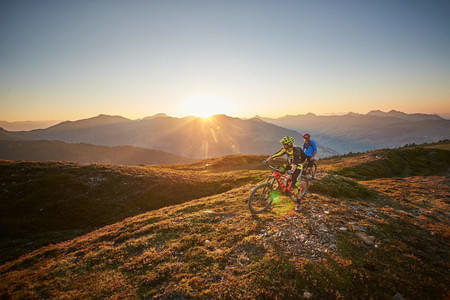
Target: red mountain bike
(262, 195)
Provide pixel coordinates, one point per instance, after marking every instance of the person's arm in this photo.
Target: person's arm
(279, 153)
(314, 150)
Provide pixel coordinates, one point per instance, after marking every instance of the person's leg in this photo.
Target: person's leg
(295, 176)
(294, 181)
(309, 169)
(299, 192)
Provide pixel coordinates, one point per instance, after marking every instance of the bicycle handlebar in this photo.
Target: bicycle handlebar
(271, 167)
(278, 170)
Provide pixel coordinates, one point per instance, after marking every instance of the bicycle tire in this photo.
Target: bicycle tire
(252, 198)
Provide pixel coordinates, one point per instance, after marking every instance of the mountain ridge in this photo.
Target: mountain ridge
(192, 137)
(362, 132)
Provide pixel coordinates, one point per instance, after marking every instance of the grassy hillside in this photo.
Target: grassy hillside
(379, 238)
(401, 162)
(55, 201)
(85, 153)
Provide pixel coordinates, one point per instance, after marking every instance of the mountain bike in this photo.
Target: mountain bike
(262, 195)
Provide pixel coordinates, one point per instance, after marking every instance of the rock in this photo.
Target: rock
(323, 227)
(75, 259)
(343, 228)
(398, 296)
(244, 260)
(307, 295)
(368, 239)
(358, 228)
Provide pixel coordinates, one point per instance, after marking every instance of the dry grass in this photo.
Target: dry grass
(42, 203)
(212, 247)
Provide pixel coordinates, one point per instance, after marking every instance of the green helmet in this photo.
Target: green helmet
(287, 140)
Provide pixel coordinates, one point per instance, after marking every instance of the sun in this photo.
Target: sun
(205, 106)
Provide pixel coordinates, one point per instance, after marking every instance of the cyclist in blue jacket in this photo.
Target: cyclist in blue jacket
(309, 147)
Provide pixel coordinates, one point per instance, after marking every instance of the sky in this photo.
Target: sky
(74, 59)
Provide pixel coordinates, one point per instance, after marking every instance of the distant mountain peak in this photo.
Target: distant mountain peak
(105, 116)
(101, 119)
(158, 115)
(222, 116)
(353, 114)
(405, 116)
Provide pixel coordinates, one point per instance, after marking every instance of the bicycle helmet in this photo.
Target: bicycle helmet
(307, 136)
(287, 140)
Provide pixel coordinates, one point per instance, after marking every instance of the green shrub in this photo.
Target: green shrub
(340, 187)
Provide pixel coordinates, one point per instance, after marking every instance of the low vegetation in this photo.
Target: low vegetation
(341, 187)
(401, 162)
(379, 238)
(48, 202)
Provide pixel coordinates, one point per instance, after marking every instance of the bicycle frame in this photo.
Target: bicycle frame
(285, 186)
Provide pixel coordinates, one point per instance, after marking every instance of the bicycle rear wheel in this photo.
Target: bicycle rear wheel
(259, 199)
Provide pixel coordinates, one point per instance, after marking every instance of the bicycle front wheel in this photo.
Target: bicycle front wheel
(259, 199)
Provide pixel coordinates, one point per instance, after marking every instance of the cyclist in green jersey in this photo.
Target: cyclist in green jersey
(296, 156)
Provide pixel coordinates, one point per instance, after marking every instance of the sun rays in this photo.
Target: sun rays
(205, 106)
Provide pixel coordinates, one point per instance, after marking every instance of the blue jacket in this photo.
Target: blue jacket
(310, 148)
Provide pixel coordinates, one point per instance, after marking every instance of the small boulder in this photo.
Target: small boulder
(398, 296)
(323, 227)
(307, 295)
(367, 239)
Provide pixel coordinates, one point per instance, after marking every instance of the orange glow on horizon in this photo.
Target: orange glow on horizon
(205, 106)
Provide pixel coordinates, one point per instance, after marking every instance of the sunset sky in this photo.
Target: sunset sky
(76, 59)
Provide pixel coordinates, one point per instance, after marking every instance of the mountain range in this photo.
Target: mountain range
(199, 138)
(191, 137)
(361, 132)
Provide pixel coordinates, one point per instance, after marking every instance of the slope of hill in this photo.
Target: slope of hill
(85, 153)
(357, 132)
(7, 135)
(26, 125)
(54, 201)
(189, 137)
(383, 238)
